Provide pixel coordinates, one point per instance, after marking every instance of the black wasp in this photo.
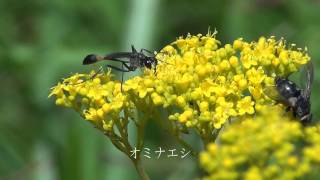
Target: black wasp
(296, 99)
(134, 60)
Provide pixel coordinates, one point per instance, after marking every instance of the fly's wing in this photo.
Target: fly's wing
(272, 93)
(308, 79)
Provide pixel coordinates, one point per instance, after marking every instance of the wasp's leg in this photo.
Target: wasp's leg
(118, 69)
(92, 77)
(130, 68)
(122, 77)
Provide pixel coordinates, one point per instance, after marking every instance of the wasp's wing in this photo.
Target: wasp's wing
(93, 58)
(117, 55)
(308, 76)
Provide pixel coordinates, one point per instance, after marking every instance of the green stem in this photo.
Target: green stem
(209, 136)
(172, 128)
(194, 153)
(142, 173)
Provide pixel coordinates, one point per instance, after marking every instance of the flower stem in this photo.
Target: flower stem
(142, 173)
(183, 143)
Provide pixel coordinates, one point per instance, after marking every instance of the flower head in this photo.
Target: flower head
(268, 146)
(199, 84)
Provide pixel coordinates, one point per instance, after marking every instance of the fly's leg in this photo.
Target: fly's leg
(288, 109)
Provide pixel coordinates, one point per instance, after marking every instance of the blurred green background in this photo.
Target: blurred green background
(42, 41)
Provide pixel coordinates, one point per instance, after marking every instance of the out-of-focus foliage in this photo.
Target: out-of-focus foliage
(42, 41)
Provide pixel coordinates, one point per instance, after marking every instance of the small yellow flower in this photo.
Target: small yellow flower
(248, 60)
(245, 106)
(255, 76)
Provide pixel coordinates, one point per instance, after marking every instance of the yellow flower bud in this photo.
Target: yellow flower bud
(292, 161)
(71, 98)
(183, 118)
(106, 108)
(172, 117)
(169, 49)
(148, 83)
(224, 65)
(181, 101)
(159, 89)
(201, 70)
(100, 113)
(83, 91)
(96, 81)
(85, 101)
(204, 158)
(60, 102)
(188, 113)
(204, 106)
(157, 100)
(275, 62)
(233, 61)
(227, 163)
(189, 124)
(237, 44)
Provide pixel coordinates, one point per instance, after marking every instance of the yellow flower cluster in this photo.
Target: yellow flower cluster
(99, 100)
(268, 146)
(198, 83)
(203, 84)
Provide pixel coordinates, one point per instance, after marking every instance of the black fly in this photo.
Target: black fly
(296, 99)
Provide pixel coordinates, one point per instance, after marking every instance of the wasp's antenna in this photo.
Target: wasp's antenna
(133, 49)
